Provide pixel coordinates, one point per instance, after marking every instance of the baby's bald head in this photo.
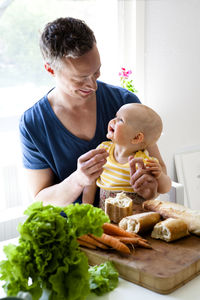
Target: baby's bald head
(144, 119)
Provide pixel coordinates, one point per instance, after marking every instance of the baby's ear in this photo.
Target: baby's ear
(139, 138)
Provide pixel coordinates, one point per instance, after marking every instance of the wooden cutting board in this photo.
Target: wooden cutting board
(162, 269)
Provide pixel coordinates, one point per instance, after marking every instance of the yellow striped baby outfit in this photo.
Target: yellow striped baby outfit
(116, 176)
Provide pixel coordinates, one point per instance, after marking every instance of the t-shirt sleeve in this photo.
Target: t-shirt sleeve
(130, 97)
(31, 156)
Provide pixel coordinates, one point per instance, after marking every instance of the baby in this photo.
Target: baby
(135, 128)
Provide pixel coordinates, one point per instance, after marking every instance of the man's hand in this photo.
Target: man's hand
(90, 166)
(143, 183)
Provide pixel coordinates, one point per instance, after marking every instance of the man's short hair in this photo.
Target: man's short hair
(65, 37)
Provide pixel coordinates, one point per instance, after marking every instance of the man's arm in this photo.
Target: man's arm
(164, 181)
(154, 152)
(89, 193)
(43, 188)
(42, 182)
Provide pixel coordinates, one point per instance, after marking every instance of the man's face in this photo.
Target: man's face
(77, 76)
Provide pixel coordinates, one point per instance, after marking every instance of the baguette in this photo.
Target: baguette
(140, 222)
(174, 210)
(170, 230)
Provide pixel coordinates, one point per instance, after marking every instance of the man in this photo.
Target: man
(60, 133)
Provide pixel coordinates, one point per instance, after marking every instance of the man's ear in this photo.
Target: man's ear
(48, 68)
(139, 138)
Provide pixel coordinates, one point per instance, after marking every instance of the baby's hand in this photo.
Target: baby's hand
(154, 167)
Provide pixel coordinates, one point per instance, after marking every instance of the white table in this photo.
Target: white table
(129, 291)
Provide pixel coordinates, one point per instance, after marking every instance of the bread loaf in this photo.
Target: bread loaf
(174, 210)
(118, 207)
(140, 222)
(170, 230)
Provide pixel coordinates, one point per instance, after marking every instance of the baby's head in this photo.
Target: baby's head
(135, 123)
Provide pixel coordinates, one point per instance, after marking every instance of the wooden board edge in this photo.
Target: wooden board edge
(167, 290)
(160, 285)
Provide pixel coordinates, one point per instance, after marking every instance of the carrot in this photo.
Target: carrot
(88, 245)
(126, 239)
(133, 240)
(115, 230)
(91, 240)
(112, 242)
(144, 244)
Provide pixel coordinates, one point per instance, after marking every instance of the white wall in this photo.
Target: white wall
(172, 72)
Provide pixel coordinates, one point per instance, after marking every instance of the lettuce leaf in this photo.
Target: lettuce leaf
(103, 278)
(84, 219)
(48, 256)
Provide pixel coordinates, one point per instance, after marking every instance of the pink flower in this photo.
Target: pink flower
(127, 82)
(125, 74)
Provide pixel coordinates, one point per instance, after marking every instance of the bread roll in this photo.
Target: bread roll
(173, 210)
(170, 230)
(140, 222)
(118, 207)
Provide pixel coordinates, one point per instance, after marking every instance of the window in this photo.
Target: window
(23, 80)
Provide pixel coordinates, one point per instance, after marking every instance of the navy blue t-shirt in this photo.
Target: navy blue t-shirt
(46, 143)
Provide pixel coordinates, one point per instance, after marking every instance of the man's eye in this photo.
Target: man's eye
(79, 81)
(97, 74)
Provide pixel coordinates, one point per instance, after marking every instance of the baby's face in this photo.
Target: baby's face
(120, 129)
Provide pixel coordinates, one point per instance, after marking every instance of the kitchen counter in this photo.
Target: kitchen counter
(129, 291)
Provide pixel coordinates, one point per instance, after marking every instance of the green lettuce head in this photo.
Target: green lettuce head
(48, 256)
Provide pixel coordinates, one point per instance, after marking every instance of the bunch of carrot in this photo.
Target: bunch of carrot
(113, 237)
